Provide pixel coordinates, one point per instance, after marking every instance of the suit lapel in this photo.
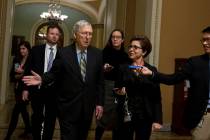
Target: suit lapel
(90, 60)
(42, 54)
(73, 61)
(207, 72)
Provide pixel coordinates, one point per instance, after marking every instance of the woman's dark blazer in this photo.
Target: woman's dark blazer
(18, 83)
(141, 88)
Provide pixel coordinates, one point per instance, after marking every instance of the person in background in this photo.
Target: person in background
(142, 108)
(78, 73)
(43, 99)
(113, 55)
(16, 74)
(197, 71)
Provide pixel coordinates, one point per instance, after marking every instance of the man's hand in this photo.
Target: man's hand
(156, 126)
(99, 112)
(25, 95)
(33, 80)
(144, 70)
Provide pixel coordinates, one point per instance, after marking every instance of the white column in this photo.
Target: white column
(110, 18)
(152, 28)
(8, 25)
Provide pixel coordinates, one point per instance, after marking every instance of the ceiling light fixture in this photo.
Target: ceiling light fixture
(54, 12)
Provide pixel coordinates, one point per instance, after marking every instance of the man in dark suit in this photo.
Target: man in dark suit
(43, 99)
(197, 71)
(78, 73)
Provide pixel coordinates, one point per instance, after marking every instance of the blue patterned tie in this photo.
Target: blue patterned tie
(50, 60)
(83, 64)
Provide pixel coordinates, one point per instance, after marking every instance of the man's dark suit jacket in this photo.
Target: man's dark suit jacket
(44, 97)
(36, 63)
(196, 70)
(77, 98)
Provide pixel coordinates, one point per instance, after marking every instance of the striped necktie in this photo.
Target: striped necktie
(50, 60)
(83, 64)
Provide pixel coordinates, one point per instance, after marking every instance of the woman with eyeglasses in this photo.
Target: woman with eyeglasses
(16, 74)
(141, 111)
(113, 55)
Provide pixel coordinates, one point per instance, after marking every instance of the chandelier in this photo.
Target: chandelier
(54, 12)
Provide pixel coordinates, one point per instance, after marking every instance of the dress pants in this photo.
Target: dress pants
(135, 130)
(44, 112)
(108, 120)
(49, 118)
(37, 116)
(74, 130)
(20, 107)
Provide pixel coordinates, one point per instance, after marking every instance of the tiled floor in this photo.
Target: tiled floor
(5, 111)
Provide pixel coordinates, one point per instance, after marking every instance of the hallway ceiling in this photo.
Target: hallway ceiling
(93, 8)
(27, 14)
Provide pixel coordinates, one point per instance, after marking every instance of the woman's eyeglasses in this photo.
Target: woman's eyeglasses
(134, 46)
(116, 37)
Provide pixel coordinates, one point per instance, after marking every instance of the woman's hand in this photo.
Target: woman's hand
(120, 91)
(19, 70)
(99, 112)
(25, 95)
(107, 67)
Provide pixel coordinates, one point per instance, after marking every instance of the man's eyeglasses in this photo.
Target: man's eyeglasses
(134, 46)
(205, 40)
(85, 34)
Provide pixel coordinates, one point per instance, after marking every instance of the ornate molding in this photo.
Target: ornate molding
(96, 15)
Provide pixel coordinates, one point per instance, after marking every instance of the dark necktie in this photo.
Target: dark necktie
(83, 65)
(50, 60)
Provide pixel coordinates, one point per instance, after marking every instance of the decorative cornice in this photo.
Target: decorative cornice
(96, 16)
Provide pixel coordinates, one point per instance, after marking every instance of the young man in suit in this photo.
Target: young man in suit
(197, 71)
(43, 100)
(78, 72)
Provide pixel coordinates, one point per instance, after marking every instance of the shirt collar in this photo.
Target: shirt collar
(78, 50)
(48, 46)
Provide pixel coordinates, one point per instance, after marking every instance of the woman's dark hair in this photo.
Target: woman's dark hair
(28, 47)
(145, 43)
(109, 43)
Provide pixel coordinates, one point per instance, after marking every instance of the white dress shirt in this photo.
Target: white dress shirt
(47, 54)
